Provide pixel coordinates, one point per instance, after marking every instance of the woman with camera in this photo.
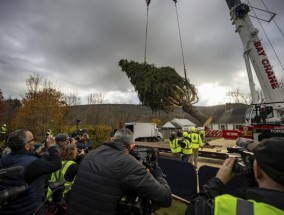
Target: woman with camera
(62, 180)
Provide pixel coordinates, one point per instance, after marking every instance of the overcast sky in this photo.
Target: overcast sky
(77, 44)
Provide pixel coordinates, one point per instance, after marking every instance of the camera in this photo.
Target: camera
(149, 157)
(132, 204)
(12, 193)
(57, 189)
(243, 165)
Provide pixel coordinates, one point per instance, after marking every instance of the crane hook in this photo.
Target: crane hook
(148, 2)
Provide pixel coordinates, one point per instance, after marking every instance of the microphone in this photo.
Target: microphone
(11, 171)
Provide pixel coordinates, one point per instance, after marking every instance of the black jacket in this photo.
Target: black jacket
(26, 203)
(203, 202)
(106, 174)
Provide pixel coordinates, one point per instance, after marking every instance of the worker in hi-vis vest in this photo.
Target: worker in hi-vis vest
(175, 146)
(265, 196)
(186, 149)
(202, 134)
(3, 132)
(196, 143)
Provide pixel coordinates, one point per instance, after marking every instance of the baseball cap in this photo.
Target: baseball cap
(269, 155)
(61, 137)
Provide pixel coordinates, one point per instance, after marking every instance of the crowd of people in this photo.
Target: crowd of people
(63, 176)
(59, 178)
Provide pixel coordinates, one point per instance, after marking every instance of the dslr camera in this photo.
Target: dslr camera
(149, 157)
(244, 160)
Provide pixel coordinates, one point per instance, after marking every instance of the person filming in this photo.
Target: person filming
(267, 198)
(109, 172)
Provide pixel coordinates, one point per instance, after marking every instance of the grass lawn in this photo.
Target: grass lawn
(177, 208)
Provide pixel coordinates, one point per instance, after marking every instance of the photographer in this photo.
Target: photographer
(267, 198)
(109, 172)
(21, 143)
(58, 200)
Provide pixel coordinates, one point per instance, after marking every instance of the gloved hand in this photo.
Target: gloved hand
(157, 172)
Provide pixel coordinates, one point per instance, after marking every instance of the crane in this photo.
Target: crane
(254, 54)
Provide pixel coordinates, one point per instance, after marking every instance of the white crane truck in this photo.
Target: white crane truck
(263, 116)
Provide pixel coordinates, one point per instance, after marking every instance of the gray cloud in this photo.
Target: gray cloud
(78, 44)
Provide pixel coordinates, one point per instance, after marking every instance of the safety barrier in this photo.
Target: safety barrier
(226, 134)
(182, 177)
(214, 133)
(205, 173)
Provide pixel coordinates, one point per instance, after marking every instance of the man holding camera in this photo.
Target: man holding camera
(21, 143)
(109, 172)
(267, 198)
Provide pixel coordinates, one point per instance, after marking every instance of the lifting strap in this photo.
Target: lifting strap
(145, 51)
(175, 1)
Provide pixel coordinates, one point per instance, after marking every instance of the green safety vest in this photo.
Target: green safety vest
(196, 140)
(187, 149)
(230, 205)
(59, 176)
(202, 133)
(175, 147)
(3, 130)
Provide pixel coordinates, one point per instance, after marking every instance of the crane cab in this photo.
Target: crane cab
(263, 121)
(267, 114)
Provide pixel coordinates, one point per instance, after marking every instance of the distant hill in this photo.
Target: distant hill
(116, 114)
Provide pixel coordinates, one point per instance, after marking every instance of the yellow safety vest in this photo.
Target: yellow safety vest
(59, 176)
(3, 130)
(187, 149)
(196, 140)
(175, 147)
(230, 205)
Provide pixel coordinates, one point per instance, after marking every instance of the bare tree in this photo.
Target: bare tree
(96, 98)
(72, 99)
(239, 96)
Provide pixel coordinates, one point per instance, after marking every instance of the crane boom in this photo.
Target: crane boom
(255, 51)
(263, 119)
(255, 55)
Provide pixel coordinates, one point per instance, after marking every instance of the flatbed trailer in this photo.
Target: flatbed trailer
(207, 151)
